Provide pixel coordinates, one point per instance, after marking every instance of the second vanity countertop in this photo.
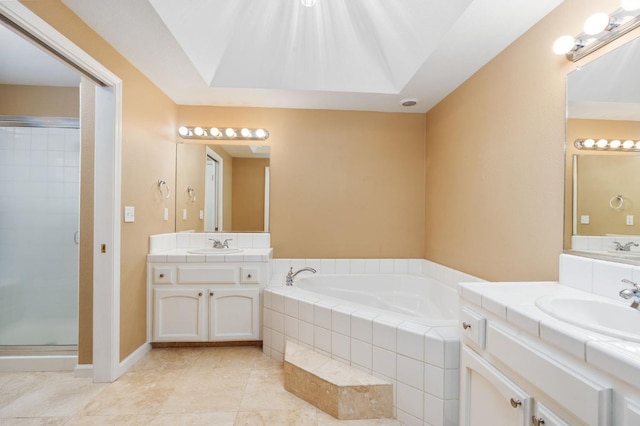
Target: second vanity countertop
(182, 255)
(515, 304)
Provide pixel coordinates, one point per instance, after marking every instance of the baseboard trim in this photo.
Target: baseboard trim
(83, 371)
(135, 356)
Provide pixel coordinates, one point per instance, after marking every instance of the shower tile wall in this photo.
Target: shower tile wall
(39, 216)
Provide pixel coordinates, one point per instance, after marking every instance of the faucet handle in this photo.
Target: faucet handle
(635, 285)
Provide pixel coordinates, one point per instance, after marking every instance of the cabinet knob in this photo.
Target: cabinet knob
(200, 294)
(537, 421)
(210, 293)
(466, 325)
(515, 403)
(161, 275)
(248, 275)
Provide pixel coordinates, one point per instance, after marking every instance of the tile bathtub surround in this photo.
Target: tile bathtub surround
(212, 386)
(183, 240)
(420, 361)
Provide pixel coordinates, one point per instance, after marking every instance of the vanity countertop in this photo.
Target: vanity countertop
(515, 304)
(182, 255)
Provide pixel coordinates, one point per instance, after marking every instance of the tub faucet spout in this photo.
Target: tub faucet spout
(291, 275)
(631, 293)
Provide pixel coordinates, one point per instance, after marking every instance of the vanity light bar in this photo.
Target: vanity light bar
(627, 145)
(600, 29)
(222, 133)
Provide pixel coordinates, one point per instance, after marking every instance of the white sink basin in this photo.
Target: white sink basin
(211, 250)
(615, 319)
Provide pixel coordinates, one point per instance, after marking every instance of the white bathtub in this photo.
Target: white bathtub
(418, 297)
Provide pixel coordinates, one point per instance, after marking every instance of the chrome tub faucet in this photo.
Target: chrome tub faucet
(631, 293)
(291, 275)
(625, 247)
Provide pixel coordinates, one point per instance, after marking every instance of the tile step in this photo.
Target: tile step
(338, 389)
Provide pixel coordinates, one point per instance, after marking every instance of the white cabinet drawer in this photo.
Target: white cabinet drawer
(587, 400)
(163, 275)
(207, 275)
(249, 275)
(473, 326)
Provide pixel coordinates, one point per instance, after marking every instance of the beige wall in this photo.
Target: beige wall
(148, 154)
(602, 215)
(495, 158)
(190, 173)
(39, 101)
(248, 194)
(344, 184)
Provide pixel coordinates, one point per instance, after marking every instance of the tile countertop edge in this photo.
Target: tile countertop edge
(247, 255)
(599, 350)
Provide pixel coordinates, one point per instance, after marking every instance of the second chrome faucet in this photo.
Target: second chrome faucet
(291, 275)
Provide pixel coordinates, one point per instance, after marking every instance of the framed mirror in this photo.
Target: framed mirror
(222, 188)
(602, 186)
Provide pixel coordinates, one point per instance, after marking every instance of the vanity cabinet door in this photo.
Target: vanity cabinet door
(234, 314)
(179, 315)
(488, 397)
(543, 416)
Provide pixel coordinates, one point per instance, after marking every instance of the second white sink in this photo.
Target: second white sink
(615, 319)
(211, 250)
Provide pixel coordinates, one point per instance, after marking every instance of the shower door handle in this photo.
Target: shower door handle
(76, 237)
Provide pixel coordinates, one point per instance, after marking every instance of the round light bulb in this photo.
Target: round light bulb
(215, 132)
(183, 131)
(588, 143)
(245, 132)
(261, 133)
(596, 23)
(630, 4)
(199, 131)
(638, 145)
(628, 144)
(230, 132)
(602, 143)
(564, 45)
(615, 144)
(308, 3)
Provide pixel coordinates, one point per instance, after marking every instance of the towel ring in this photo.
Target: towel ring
(616, 202)
(192, 194)
(161, 185)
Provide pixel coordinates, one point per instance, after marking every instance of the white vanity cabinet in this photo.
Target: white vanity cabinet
(507, 378)
(200, 302)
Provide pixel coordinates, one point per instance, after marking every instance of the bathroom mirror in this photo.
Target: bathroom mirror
(222, 188)
(602, 188)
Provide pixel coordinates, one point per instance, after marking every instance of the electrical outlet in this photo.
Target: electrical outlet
(630, 219)
(584, 219)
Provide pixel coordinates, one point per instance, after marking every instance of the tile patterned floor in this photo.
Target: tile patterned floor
(177, 386)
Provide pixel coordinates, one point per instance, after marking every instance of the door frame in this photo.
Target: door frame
(108, 143)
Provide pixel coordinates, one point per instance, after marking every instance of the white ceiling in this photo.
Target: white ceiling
(338, 54)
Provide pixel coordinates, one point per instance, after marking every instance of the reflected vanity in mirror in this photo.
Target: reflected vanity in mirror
(222, 188)
(602, 186)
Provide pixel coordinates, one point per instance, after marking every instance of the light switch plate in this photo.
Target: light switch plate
(584, 219)
(166, 213)
(184, 214)
(129, 214)
(201, 214)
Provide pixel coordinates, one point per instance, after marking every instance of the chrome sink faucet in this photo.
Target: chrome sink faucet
(291, 275)
(631, 293)
(625, 247)
(218, 244)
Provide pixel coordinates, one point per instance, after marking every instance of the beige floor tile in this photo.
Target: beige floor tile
(277, 418)
(35, 421)
(170, 386)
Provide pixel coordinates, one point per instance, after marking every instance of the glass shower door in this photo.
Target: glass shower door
(39, 220)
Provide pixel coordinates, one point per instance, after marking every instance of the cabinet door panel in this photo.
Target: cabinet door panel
(488, 397)
(234, 314)
(179, 315)
(545, 417)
